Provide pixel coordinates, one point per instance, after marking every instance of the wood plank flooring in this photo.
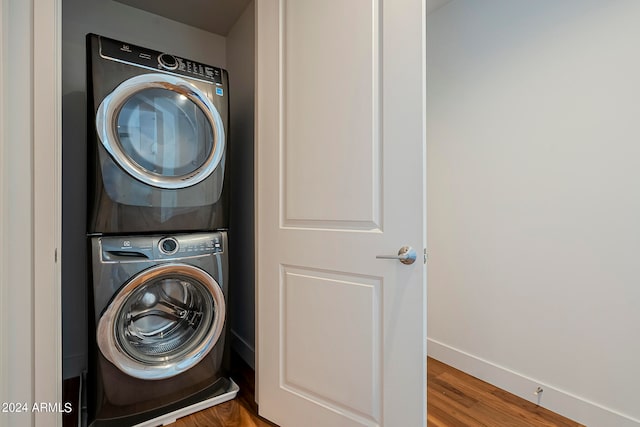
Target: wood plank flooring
(240, 412)
(454, 399)
(229, 414)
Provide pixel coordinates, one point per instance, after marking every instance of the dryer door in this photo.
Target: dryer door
(162, 130)
(162, 322)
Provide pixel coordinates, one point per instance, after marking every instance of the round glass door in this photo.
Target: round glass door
(163, 322)
(161, 130)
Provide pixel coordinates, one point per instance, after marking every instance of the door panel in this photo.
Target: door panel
(336, 318)
(340, 179)
(330, 99)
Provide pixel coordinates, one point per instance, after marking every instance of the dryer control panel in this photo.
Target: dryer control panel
(148, 248)
(135, 55)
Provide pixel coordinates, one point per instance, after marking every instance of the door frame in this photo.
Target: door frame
(30, 220)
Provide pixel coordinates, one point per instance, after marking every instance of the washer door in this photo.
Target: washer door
(163, 322)
(162, 130)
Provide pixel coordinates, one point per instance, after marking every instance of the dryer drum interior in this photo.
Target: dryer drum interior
(161, 130)
(163, 322)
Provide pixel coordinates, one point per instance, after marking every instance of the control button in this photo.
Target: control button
(167, 61)
(168, 246)
(217, 75)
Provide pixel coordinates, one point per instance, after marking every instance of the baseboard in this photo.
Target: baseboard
(244, 349)
(564, 403)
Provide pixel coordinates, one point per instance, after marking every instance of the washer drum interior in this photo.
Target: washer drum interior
(163, 322)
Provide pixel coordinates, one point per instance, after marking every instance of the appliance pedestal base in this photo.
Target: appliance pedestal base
(171, 417)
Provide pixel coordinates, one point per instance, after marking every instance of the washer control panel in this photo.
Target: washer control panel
(147, 248)
(124, 52)
(198, 244)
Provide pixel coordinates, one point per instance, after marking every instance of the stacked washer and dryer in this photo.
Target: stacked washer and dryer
(157, 221)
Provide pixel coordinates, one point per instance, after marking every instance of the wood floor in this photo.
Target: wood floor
(240, 412)
(454, 399)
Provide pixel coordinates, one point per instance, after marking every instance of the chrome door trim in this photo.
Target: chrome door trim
(106, 127)
(111, 348)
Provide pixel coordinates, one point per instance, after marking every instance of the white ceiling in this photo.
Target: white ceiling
(435, 4)
(214, 16)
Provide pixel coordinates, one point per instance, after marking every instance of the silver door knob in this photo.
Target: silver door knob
(406, 255)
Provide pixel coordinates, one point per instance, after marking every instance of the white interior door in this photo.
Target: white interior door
(340, 180)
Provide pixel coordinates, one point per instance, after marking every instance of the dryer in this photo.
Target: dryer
(157, 136)
(159, 304)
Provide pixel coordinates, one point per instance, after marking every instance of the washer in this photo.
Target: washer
(157, 136)
(159, 304)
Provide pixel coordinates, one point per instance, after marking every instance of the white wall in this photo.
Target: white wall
(241, 68)
(135, 26)
(533, 199)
